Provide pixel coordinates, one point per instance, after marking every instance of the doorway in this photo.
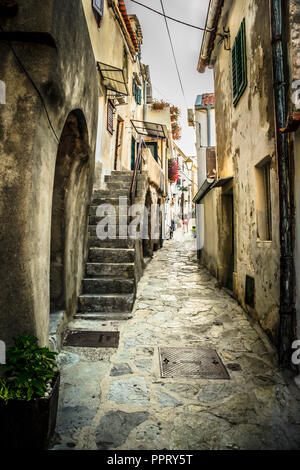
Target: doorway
(133, 151)
(118, 150)
(72, 179)
(227, 238)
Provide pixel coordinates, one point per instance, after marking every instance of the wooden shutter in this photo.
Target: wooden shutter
(139, 96)
(239, 64)
(110, 117)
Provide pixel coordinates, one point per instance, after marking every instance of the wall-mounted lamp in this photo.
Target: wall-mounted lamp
(189, 164)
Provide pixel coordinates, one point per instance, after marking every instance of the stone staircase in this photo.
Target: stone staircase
(109, 287)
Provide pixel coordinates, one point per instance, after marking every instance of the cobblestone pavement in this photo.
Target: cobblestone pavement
(116, 398)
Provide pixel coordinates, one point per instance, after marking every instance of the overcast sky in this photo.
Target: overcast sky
(157, 53)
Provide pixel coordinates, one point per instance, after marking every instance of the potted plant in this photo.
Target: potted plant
(159, 105)
(29, 392)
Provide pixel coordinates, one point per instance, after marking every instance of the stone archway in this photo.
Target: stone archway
(69, 214)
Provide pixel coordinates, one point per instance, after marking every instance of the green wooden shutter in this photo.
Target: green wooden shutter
(239, 64)
(139, 96)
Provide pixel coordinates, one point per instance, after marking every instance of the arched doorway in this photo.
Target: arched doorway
(72, 180)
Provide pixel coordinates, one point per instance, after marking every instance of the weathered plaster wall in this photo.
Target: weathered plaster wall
(108, 43)
(209, 222)
(245, 136)
(67, 81)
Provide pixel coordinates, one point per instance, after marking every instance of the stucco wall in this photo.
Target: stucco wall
(245, 136)
(209, 223)
(108, 43)
(67, 81)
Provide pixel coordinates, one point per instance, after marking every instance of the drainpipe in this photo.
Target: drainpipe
(208, 128)
(281, 80)
(214, 11)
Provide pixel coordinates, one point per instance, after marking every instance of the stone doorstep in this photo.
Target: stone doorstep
(103, 316)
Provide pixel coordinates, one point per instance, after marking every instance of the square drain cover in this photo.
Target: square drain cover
(191, 362)
(92, 339)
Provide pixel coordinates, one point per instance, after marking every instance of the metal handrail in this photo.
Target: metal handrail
(137, 167)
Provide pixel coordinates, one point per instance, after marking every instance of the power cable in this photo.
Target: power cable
(172, 47)
(169, 17)
(33, 84)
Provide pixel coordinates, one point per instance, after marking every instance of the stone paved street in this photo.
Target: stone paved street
(116, 398)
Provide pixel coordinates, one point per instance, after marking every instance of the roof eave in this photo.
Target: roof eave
(208, 41)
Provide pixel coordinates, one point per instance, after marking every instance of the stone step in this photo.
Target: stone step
(113, 270)
(106, 302)
(119, 177)
(94, 241)
(103, 316)
(121, 172)
(118, 185)
(123, 231)
(106, 285)
(111, 255)
(113, 201)
(123, 212)
(116, 192)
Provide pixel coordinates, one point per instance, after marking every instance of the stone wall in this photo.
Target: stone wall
(67, 82)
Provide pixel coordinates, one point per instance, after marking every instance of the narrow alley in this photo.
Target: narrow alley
(116, 398)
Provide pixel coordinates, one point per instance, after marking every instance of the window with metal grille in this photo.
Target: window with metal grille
(239, 64)
(98, 9)
(110, 117)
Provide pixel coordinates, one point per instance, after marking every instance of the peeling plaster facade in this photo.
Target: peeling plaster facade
(245, 139)
(110, 42)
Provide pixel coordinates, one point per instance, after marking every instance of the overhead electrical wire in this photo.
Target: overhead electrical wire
(173, 51)
(168, 17)
(34, 86)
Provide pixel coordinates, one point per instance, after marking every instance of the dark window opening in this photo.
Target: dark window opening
(98, 9)
(250, 291)
(153, 148)
(110, 117)
(263, 201)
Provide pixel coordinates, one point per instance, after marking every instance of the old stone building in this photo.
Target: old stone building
(47, 146)
(245, 216)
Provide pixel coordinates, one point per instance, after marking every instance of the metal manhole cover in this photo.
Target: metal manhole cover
(92, 339)
(191, 362)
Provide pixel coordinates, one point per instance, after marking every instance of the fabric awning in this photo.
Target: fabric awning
(113, 78)
(149, 129)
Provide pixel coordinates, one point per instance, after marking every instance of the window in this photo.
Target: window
(110, 117)
(136, 92)
(98, 8)
(263, 200)
(153, 147)
(125, 64)
(239, 64)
